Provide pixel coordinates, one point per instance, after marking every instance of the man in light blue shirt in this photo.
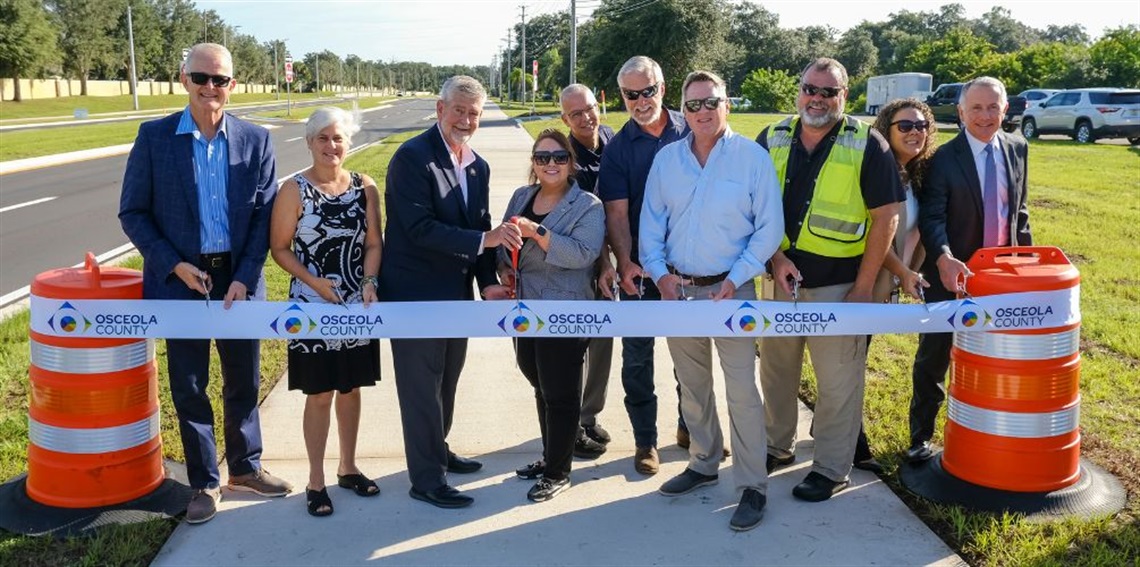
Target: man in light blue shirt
(712, 216)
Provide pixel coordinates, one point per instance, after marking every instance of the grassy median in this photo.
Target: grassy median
(65, 107)
(137, 544)
(1084, 199)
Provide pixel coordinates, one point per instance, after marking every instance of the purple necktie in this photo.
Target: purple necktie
(990, 200)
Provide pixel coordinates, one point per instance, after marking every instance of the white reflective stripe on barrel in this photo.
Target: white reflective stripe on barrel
(92, 360)
(1020, 347)
(1010, 424)
(93, 441)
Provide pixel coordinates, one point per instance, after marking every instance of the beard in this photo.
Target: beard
(651, 120)
(833, 115)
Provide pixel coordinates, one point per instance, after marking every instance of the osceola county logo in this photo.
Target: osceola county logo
(521, 319)
(746, 319)
(68, 320)
(969, 315)
(293, 322)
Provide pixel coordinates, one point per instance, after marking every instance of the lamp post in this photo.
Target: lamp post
(276, 77)
(134, 77)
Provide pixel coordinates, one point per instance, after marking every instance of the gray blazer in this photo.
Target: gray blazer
(577, 226)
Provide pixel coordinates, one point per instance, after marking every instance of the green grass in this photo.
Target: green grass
(42, 142)
(136, 544)
(66, 106)
(541, 108)
(303, 113)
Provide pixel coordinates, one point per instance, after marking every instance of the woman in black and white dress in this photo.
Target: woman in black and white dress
(326, 233)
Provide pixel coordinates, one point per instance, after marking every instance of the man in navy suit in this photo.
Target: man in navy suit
(197, 195)
(438, 240)
(974, 197)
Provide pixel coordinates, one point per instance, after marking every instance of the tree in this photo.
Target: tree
(1115, 57)
(1006, 34)
(755, 41)
(252, 63)
(1054, 65)
(550, 77)
(957, 57)
(148, 42)
(771, 90)
(857, 52)
(85, 34)
(181, 29)
(28, 44)
(1072, 33)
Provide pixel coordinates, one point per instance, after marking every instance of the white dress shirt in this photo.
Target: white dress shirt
(978, 149)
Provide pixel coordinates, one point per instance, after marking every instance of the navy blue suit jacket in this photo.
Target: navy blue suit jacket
(158, 208)
(431, 236)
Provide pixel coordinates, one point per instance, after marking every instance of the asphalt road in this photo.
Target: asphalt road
(49, 218)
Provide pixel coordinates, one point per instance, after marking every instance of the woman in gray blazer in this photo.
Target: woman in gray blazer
(563, 229)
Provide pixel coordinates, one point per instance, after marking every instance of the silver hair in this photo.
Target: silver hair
(996, 84)
(641, 65)
(578, 88)
(462, 85)
(213, 49)
(826, 65)
(349, 123)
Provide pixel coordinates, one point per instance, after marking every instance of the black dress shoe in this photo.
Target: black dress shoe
(817, 488)
(443, 497)
(773, 462)
(459, 465)
(870, 465)
(919, 452)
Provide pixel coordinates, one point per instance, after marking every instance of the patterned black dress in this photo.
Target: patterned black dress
(330, 243)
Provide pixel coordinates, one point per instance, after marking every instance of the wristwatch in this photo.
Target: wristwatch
(541, 230)
(369, 280)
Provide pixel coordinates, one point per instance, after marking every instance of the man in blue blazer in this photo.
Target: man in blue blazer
(197, 195)
(437, 241)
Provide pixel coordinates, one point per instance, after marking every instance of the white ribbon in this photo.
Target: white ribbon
(153, 319)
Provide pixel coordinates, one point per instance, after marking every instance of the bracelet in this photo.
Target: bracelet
(370, 280)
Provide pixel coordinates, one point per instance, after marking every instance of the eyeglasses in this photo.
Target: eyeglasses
(647, 92)
(560, 157)
(578, 114)
(825, 92)
(908, 125)
(220, 81)
(710, 103)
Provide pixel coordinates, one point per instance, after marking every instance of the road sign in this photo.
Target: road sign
(534, 75)
(288, 69)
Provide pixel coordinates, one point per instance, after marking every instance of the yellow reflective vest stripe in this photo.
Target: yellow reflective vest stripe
(836, 222)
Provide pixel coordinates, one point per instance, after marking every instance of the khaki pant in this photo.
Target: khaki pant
(840, 365)
(692, 358)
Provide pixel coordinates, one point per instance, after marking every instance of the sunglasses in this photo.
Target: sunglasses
(825, 92)
(908, 125)
(560, 157)
(647, 92)
(220, 81)
(710, 103)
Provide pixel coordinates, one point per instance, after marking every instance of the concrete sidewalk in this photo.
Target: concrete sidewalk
(611, 515)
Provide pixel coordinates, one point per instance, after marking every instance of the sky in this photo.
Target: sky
(447, 32)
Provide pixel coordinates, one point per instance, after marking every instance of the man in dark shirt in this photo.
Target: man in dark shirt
(621, 186)
(588, 138)
(822, 157)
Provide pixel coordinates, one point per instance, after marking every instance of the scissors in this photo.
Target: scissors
(515, 269)
(795, 291)
(922, 293)
(336, 289)
(207, 284)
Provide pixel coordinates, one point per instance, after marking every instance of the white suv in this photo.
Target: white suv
(1087, 114)
(1034, 97)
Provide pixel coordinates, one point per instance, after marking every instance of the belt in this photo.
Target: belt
(219, 260)
(699, 281)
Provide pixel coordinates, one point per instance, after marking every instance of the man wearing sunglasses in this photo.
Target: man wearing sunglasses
(841, 195)
(197, 195)
(712, 217)
(588, 138)
(621, 186)
(974, 197)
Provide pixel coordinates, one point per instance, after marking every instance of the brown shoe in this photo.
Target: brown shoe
(645, 460)
(203, 505)
(727, 454)
(260, 482)
(683, 438)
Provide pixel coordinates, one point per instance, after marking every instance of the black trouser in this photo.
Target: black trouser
(931, 361)
(554, 368)
(427, 375)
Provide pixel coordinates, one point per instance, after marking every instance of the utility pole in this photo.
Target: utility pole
(507, 62)
(318, 65)
(134, 77)
(573, 42)
(276, 83)
(522, 58)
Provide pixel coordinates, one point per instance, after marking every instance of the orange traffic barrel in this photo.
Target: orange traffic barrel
(1013, 404)
(93, 418)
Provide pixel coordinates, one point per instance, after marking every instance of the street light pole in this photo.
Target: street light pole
(134, 76)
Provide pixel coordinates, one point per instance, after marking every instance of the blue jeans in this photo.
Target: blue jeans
(637, 378)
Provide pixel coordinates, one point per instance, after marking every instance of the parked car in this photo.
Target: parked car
(944, 104)
(1034, 97)
(739, 103)
(1086, 115)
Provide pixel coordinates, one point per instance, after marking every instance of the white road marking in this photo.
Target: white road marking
(103, 258)
(295, 139)
(27, 204)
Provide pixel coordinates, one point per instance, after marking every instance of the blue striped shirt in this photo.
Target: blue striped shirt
(211, 173)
